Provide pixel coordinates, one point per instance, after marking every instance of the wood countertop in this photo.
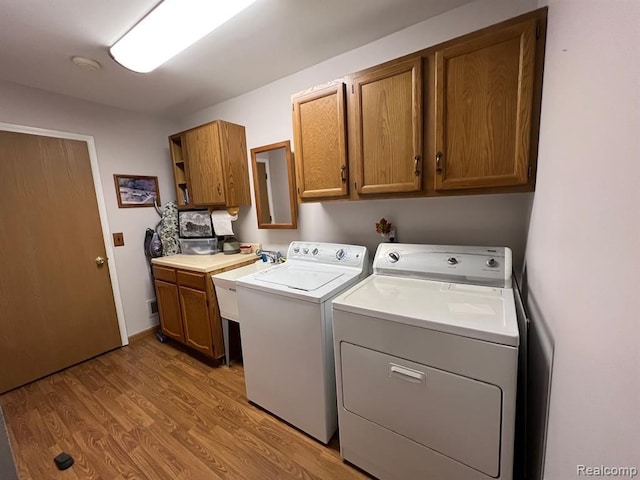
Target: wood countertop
(204, 263)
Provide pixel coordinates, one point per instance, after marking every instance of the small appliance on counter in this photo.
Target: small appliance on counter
(230, 246)
(196, 233)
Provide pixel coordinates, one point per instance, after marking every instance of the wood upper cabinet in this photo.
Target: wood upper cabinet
(169, 310)
(210, 165)
(320, 142)
(471, 105)
(386, 127)
(484, 103)
(203, 149)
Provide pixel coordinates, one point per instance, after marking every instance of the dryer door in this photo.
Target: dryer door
(453, 415)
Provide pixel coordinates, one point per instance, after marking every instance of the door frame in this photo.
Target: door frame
(102, 208)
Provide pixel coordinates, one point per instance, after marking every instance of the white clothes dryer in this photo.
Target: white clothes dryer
(427, 362)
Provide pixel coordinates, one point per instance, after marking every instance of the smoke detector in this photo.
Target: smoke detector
(86, 64)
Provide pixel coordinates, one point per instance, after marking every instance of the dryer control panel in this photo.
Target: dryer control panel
(488, 266)
(328, 253)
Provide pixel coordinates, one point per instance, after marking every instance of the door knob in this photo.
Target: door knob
(100, 260)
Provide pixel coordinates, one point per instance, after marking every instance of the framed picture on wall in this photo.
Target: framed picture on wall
(136, 190)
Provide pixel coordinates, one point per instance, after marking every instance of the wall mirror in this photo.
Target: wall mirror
(273, 185)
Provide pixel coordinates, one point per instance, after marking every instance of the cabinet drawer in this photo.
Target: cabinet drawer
(164, 274)
(456, 416)
(192, 280)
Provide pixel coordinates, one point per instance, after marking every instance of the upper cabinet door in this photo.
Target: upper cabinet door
(484, 97)
(320, 149)
(235, 183)
(387, 128)
(204, 165)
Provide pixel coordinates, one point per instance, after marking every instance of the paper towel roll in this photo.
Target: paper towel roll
(222, 222)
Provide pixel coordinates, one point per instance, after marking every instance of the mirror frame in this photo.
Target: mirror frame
(291, 179)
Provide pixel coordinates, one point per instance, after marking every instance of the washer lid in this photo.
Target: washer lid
(484, 313)
(299, 278)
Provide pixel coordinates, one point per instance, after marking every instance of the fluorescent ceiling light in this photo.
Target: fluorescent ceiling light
(170, 28)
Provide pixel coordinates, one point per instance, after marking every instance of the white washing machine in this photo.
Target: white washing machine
(426, 364)
(286, 327)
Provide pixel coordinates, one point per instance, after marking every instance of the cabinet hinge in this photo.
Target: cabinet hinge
(537, 30)
(298, 190)
(293, 107)
(529, 172)
(352, 89)
(355, 185)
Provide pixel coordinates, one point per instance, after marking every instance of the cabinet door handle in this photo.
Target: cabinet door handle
(416, 170)
(343, 171)
(438, 167)
(219, 190)
(407, 374)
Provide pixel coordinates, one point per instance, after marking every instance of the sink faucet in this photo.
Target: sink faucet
(273, 257)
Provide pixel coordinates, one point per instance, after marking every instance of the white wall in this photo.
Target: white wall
(279, 181)
(583, 250)
(126, 143)
(266, 114)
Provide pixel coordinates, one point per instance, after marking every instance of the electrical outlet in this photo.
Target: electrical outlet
(118, 239)
(152, 307)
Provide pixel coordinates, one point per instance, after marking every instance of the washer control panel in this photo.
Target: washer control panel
(490, 266)
(328, 253)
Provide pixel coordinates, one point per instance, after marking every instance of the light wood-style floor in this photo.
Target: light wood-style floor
(150, 411)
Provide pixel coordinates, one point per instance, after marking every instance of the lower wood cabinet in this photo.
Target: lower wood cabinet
(195, 316)
(188, 308)
(169, 310)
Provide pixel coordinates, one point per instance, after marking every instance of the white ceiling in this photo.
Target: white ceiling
(269, 40)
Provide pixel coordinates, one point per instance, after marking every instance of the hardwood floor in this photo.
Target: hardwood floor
(149, 411)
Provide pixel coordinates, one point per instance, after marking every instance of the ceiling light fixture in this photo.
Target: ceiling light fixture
(169, 28)
(86, 64)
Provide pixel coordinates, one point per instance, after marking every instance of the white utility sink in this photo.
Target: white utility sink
(225, 286)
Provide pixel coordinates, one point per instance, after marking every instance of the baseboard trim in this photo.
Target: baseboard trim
(144, 334)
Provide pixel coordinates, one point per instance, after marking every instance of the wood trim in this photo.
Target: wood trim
(291, 181)
(136, 337)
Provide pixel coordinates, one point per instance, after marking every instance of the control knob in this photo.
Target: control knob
(492, 263)
(340, 254)
(305, 250)
(296, 249)
(393, 257)
(314, 251)
(452, 260)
